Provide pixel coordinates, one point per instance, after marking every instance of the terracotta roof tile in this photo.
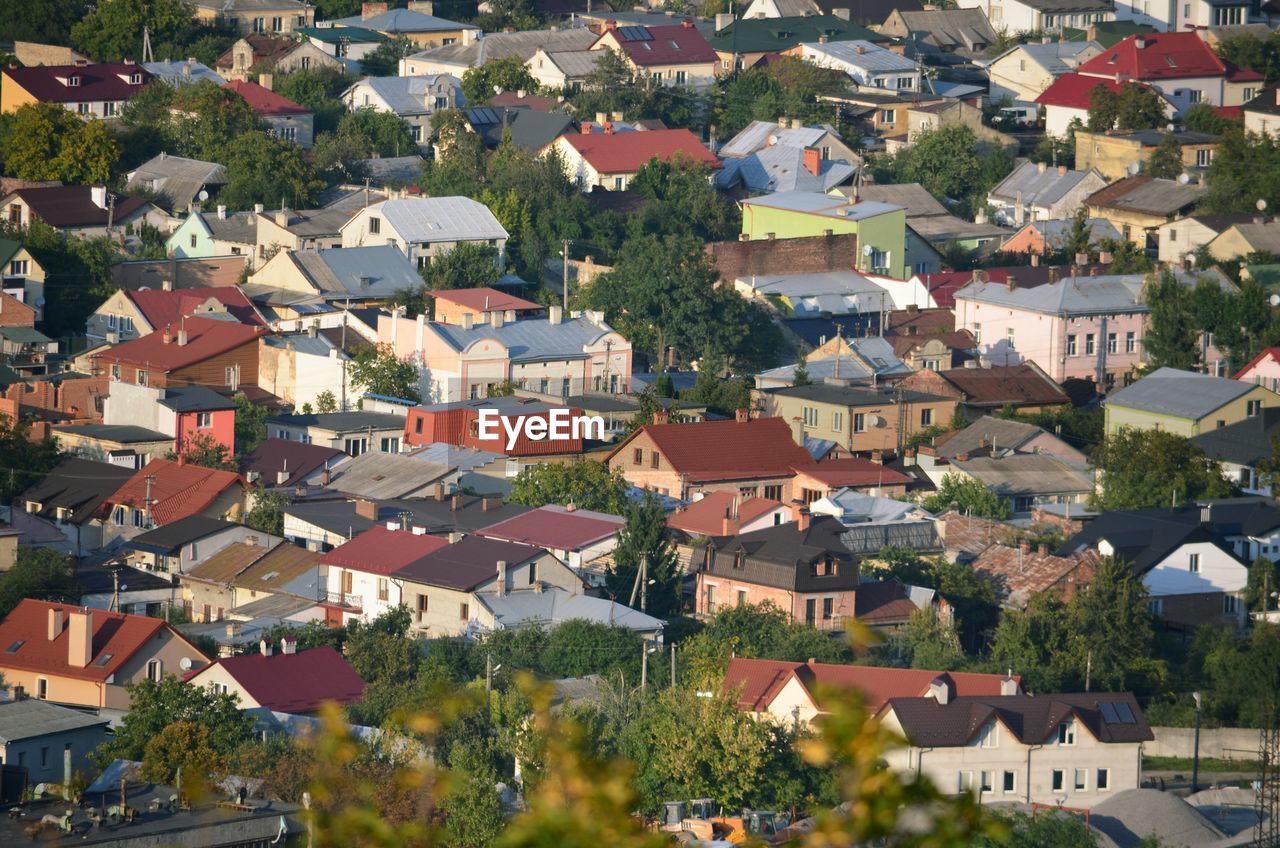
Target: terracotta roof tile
(706, 517)
(265, 101)
(854, 471)
(625, 153)
(206, 337)
(1019, 575)
(178, 491)
(728, 450)
(379, 550)
(293, 683)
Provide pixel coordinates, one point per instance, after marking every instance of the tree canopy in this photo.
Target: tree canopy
(44, 141)
(496, 75)
(1140, 469)
(587, 484)
(969, 495)
(377, 370)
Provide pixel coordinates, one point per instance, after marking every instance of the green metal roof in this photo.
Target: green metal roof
(24, 335)
(768, 35)
(333, 35)
(8, 247)
(1107, 33)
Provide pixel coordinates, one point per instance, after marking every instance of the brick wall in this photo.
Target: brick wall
(808, 255)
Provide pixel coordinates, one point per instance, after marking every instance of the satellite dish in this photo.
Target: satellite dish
(867, 250)
(203, 195)
(185, 664)
(1184, 178)
(1262, 205)
(1275, 299)
(877, 421)
(1133, 169)
(124, 587)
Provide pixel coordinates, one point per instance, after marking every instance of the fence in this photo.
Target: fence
(1224, 743)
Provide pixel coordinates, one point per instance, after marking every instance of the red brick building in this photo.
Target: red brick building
(459, 423)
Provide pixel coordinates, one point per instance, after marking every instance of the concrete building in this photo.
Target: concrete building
(421, 227)
(1185, 402)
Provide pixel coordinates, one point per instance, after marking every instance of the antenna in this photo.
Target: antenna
(146, 45)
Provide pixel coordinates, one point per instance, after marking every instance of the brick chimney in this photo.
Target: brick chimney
(490, 504)
(366, 508)
(803, 517)
(1024, 546)
(455, 503)
(56, 620)
(439, 492)
(1011, 282)
(1042, 549)
(813, 160)
(742, 415)
(661, 416)
(80, 639)
(687, 23)
(370, 10)
(167, 338)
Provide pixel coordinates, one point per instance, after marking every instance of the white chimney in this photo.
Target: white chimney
(265, 647)
(222, 212)
(55, 623)
(288, 645)
(555, 314)
(98, 194)
(502, 577)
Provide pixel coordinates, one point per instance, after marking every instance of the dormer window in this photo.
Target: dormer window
(740, 559)
(74, 80)
(136, 79)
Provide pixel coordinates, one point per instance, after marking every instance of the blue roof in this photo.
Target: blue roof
(529, 339)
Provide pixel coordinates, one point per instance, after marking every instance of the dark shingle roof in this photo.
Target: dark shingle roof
(80, 485)
(466, 564)
(1244, 442)
(1113, 717)
(781, 556)
(172, 536)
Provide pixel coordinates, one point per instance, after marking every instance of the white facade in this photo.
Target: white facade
(1194, 568)
(1183, 236)
(1016, 16)
(424, 226)
(867, 64)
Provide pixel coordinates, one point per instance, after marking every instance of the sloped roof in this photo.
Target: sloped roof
(1245, 442)
(80, 485)
(554, 526)
(1026, 475)
(625, 153)
(554, 606)
(1261, 238)
(864, 55)
(782, 556)
(770, 35)
(855, 472)
(1056, 57)
(177, 490)
(177, 178)
(106, 81)
(575, 63)
(31, 718)
(678, 44)
(378, 475)
(1072, 90)
(344, 272)
(780, 168)
(1068, 296)
(206, 337)
(221, 568)
(265, 101)
(466, 564)
(526, 128)
(995, 386)
(73, 206)
(407, 95)
(758, 135)
(1031, 719)
(706, 516)
(439, 219)
(1036, 184)
(1006, 434)
(1181, 394)
(484, 299)
(293, 683)
(380, 550)
(336, 35)
(170, 537)
(183, 72)
(1021, 575)
(1148, 194)
(950, 29)
(298, 460)
(505, 45)
(530, 339)
(726, 450)
(1156, 56)
(161, 307)
(279, 569)
(402, 20)
(195, 399)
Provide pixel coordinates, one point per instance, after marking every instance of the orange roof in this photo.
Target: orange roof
(626, 152)
(206, 338)
(762, 680)
(484, 299)
(853, 471)
(116, 638)
(177, 490)
(265, 101)
(706, 517)
(726, 450)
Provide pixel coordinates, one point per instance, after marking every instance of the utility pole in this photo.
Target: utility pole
(151, 481)
(115, 590)
(1088, 671)
(564, 256)
(344, 354)
(111, 211)
(644, 665)
(488, 684)
(146, 45)
(673, 666)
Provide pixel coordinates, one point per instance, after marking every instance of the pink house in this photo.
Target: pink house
(554, 355)
(1264, 370)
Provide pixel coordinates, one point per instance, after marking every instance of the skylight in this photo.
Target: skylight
(1172, 63)
(1115, 57)
(13, 649)
(103, 660)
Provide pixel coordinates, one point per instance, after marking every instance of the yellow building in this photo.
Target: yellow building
(1139, 206)
(1112, 155)
(1185, 402)
(256, 16)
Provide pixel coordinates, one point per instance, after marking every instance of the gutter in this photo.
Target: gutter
(920, 760)
(1029, 750)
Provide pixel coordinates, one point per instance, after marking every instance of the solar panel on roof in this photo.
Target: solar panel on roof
(1108, 711)
(635, 33)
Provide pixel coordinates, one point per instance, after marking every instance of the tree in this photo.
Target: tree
(1078, 239)
(326, 402)
(953, 165)
(250, 425)
(154, 705)
(472, 807)
(112, 32)
(506, 74)
(318, 89)
(1139, 108)
(1248, 51)
(683, 201)
(1165, 162)
(1244, 170)
(587, 485)
(40, 573)
(930, 641)
(760, 631)
(1172, 338)
(972, 599)
(204, 121)
(969, 495)
(25, 460)
(1126, 256)
(267, 170)
(800, 376)
(47, 142)
(1142, 469)
(646, 541)
(1104, 108)
(205, 451)
(267, 515)
(185, 748)
(468, 264)
(578, 648)
(384, 60)
(377, 370)
(41, 21)
(1201, 117)
(1263, 581)
(385, 133)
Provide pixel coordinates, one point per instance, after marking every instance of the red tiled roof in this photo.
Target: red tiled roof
(853, 471)
(177, 490)
(382, 551)
(162, 307)
(484, 299)
(625, 153)
(678, 44)
(293, 683)
(762, 680)
(1020, 574)
(265, 101)
(116, 638)
(206, 337)
(1238, 74)
(555, 527)
(1157, 55)
(73, 206)
(97, 83)
(1072, 90)
(705, 517)
(726, 450)
(1267, 353)
(1231, 112)
(885, 602)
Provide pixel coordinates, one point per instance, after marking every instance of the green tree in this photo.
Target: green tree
(39, 573)
(183, 748)
(154, 705)
(954, 166)
(339, 156)
(41, 21)
(1045, 830)
(267, 170)
(973, 600)
(47, 142)
(377, 370)
(318, 89)
(1248, 51)
(112, 31)
(205, 451)
(506, 74)
(1202, 117)
(578, 648)
(1034, 642)
(587, 485)
(202, 120)
(1139, 108)
(967, 494)
(472, 807)
(760, 631)
(1244, 170)
(800, 376)
(1166, 160)
(267, 515)
(25, 460)
(384, 60)
(1104, 108)
(1172, 338)
(1078, 238)
(683, 201)
(326, 402)
(250, 425)
(930, 641)
(646, 540)
(466, 265)
(385, 133)
(1142, 469)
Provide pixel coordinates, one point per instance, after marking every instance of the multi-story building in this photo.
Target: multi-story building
(89, 90)
(256, 16)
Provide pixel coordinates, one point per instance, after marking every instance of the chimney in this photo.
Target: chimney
(1053, 275)
(80, 639)
(366, 508)
(602, 118)
(940, 690)
(222, 212)
(454, 537)
(468, 320)
(1042, 550)
(1206, 514)
(369, 10)
(182, 336)
(687, 23)
(1009, 685)
(608, 127)
(166, 285)
(1011, 282)
(167, 338)
(1035, 260)
(265, 647)
(723, 19)
(861, 50)
(419, 531)
(661, 416)
(490, 504)
(502, 577)
(258, 208)
(797, 431)
(822, 39)
(1024, 546)
(288, 645)
(1140, 42)
(265, 81)
(742, 415)
(98, 194)
(616, 117)
(586, 129)
(813, 160)
(1042, 167)
(439, 493)
(610, 25)
(281, 476)
(1062, 170)
(803, 517)
(496, 318)
(56, 616)
(960, 457)
(395, 525)
(1082, 259)
(282, 218)
(555, 314)
(842, 14)
(455, 503)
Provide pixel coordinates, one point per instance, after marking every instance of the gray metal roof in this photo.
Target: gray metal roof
(403, 20)
(818, 203)
(1003, 433)
(381, 476)
(856, 508)
(30, 717)
(440, 219)
(575, 63)
(342, 422)
(837, 292)
(460, 458)
(1068, 296)
(957, 29)
(122, 433)
(871, 355)
(237, 227)
(1036, 184)
(781, 168)
(364, 272)
(409, 95)
(554, 605)
(915, 197)
(315, 223)
(1143, 194)
(1026, 474)
(530, 338)
(1056, 57)
(184, 72)
(504, 45)
(864, 55)
(1181, 394)
(757, 134)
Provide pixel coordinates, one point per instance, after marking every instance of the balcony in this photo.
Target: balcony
(344, 600)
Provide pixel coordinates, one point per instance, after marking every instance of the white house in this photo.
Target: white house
(1022, 73)
(1037, 192)
(413, 99)
(1042, 15)
(424, 226)
(869, 65)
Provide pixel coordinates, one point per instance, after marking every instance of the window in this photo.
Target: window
(259, 24)
(773, 492)
(837, 422)
(155, 670)
(810, 416)
(886, 116)
(355, 447)
(82, 108)
(289, 133)
(18, 268)
(1186, 10)
(416, 130)
(194, 239)
(1130, 342)
(1155, 606)
(139, 518)
(1204, 158)
(988, 781)
(204, 420)
(277, 24)
(619, 183)
(859, 422)
(828, 608)
(423, 604)
(1088, 344)
(1066, 733)
(1082, 779)
(637, 456)
(742, 597)
(653, 459)
(73, 81)
(533, 573)
(384, 589)
(306, 63)
(906, 82)
(810, 611)
(991, 736)
(1249, 94)
(880, 260)
(1071, 345)
(1253, 407)
(109, 109)
(389, 444)
(143, 378)
(1102, 779)
(42, 688)
(375, 225)
(1194, 95)
(1008, 337)
(117, 516)
(1193, 563)
(926, 417)
(1230, 605)
(739, 559)
(1059, 780)
(965, 782)
(1112, 346)
(711, 598)
(1010, 782)
(681, 77)
(464, 612)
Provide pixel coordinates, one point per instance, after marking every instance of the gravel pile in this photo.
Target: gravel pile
(1131, 815)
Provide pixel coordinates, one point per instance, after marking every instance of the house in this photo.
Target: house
(873, 523)
(931, 115)
(860, 359)
(89, 90)
(862, 12)
(275, 54)
(1041, 238)
(190, 416)
(181, 546)
(815, 295)
(1024, 481)
(752, 39)
(858, 418)
(66, 501)
(80, 211)
(941, 35)
(452, 304)
(1023, 387)
(677, 55)
(1198, 15)
(880, 227)
(421, 227)
(1046, 16)
(308, 229)
(1241, 447)
(360, 570)
(353, 432)
(292, 681)
(30, 729)
(565, 70)
(759, 136)
(525, 128)
(1185, 402)
(256, 16)
(284, 119)
(552, 355)
(745, 456)
(1067, 101)
(1036, 192)
(611, 159)
(1193, 560)
(1183, 236)
(1260, 235)
(801, 567)
(830, 476)
(1020, 573)
(578, 537)
(789, 692)
(384, 476)
(340, 276)
(782, 168)
(346, 44)
(547, 607)
(1023, 72)
(285, 464)
(1262, 112)
(459, 57)
(164, 491)
(177, 73)
(128, 314)
(1114, 153)
(414, 99)
(1139, 206)
(125, 445)
(1073, 750)
(83, 658)
(220, 233)
(727, 514)
(202, 351)
(991, 436)
(177, 273)
(420, 27)
(1180, 65)
(177, 181)
(299, 368)
(323, 525)
(927, 339)
(930, 227)
(459, 423)
(21, 275)
(207, 587)
(868, 65)
(1263, 369)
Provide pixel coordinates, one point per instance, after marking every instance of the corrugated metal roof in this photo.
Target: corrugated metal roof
(554, 606)
(381, 476)
(1182, 394)
(403, 20)
(527, 339)
(1034, 183)
(440, 219)
(1026, 474)
(780, 168)
(366, 272)
(409, 95)
(31, 717)
(755, 136)
(864, 55)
